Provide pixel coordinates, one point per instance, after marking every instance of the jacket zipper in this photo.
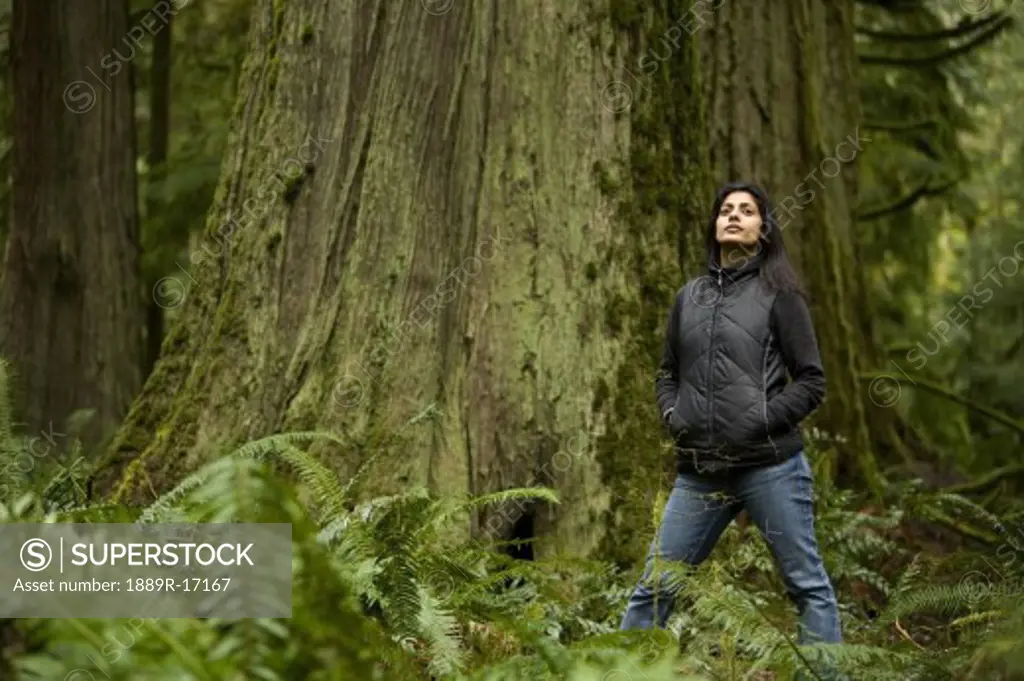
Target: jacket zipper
(764, 393)
(711, 357)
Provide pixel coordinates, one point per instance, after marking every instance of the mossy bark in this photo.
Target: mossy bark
(70, 300)
(785, 114)
(461, 231)
(664, 193)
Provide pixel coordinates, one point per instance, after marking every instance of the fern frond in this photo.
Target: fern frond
(440, 629)
(165, 504)
(97, 513)
(977, 618)
(515, 494)
(849, 657)
(945, 599)
(964, 507)
(446, 508)
(908, 579)
(328, 494)
(264, 447)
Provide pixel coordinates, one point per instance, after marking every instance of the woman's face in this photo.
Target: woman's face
(739, 220)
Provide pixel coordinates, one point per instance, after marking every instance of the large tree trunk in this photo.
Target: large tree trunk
(70, 302)
(432, 204)
(785, 114)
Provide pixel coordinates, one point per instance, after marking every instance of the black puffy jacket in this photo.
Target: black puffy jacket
(722, 389)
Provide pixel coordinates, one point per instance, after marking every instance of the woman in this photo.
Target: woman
(723, 397)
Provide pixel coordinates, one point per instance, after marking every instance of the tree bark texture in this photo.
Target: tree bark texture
(785, 114)
(71, 302)
(159, 138)
(440, 206)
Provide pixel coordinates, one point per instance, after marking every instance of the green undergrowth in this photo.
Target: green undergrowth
(385, 588)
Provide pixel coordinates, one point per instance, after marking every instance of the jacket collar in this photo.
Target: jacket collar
(737, 272)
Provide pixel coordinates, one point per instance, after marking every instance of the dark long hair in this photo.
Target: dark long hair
(776, 270)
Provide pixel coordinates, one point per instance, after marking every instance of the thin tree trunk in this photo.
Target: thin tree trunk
(432, 206)
(70, 299)
(785, 114)
(159, 136)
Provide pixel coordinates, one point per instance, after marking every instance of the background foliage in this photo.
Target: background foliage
(929, 583)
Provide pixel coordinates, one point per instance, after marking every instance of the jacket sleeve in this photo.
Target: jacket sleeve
(666, 385)
(792, 325)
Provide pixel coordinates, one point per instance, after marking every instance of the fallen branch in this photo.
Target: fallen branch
(936, 389)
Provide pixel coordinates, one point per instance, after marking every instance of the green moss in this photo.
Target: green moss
(627, 15)
(273, 69)
(274, 239)
(307, 34)
(292, 188)
(305, 419)
(161, 432)
(157, 444)
(669, 169)
(601, 394)
(606, 184)
(616, 313)
(116, 472)
(279, 10)
(273, 51)
(123, 491)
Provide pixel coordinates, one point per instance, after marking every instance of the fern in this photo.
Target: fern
(399, 576)
(440, 629)
(322, 482)
(263, 448)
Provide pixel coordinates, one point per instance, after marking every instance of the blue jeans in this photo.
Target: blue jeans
(778, 499)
